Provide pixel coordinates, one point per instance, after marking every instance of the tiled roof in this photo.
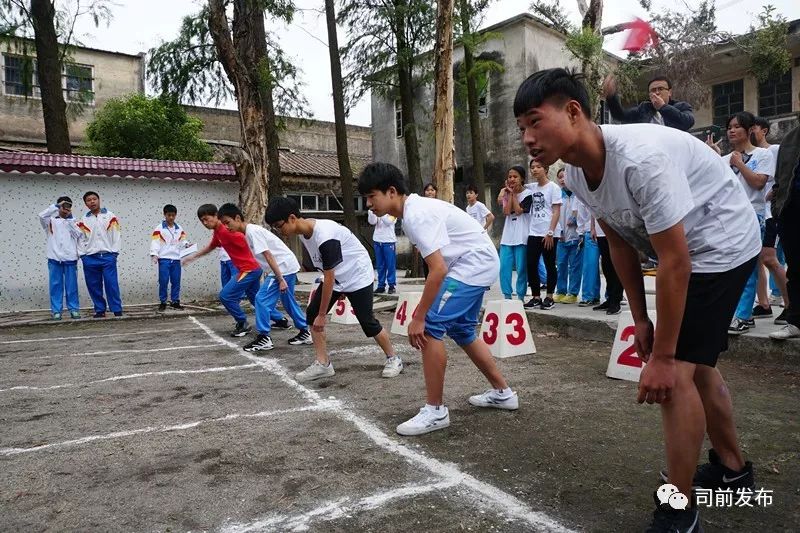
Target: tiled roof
(114, 166)
(317, 164)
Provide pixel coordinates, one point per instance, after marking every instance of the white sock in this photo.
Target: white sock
(430, 407)
(505, 393)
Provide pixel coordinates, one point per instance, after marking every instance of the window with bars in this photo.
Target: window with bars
(398, 118)
(20, 78)
(775, 96)
(728, 98)
(314, 202)
(78, 83)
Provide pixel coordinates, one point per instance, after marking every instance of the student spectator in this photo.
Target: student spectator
(786, 209)
(542, 240)
(516, 203)
(478, 210)
(590, 259)
(63, 236)
(429, 191)
(569, 254)
(384, 243)
(99, 250)
(166, 244)
(659, 109)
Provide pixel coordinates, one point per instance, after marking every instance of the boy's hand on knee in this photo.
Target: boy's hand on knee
(319, 323)
(416, 333)
(657, 380)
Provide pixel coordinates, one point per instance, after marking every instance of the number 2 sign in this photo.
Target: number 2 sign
(624, 363)
(505, 329)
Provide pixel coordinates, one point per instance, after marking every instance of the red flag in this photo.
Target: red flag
(640, 35)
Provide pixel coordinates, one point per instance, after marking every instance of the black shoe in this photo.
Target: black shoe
(162, 306)
(781, 320)
(177, 305)
(117, 313)
(751, 322)
(613, 309)
(304, 337)
(533, 302)
(99, 315)
(760, 312)
(547, 304)
(602, 307)
(669, 520)
(281, 324)
(738, 327)
(242, 329)
(261, 344)
(713, 475)
(543, 287)
(392, 290)
(380, 290)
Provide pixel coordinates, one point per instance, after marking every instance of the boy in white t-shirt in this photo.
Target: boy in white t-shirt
(281, 267)
(347, 272)
(656, 189)
(384, 243)
(477, 209)
(463, 264)
(542, 237)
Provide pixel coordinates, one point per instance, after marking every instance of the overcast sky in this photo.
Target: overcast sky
(138, 25)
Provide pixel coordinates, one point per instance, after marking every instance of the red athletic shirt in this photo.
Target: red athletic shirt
(236, 246)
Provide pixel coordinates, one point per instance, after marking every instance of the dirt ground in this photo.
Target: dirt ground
(164, 425)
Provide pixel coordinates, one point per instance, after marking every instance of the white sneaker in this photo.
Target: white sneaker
(776, 300)
(789, 331)
(425, 421)
(492, 398)
(393, 367)
(316, 371)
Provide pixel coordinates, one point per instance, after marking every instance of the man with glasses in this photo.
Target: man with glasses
(660, 109)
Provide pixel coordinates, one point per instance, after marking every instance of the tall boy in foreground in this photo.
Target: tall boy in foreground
(281, 266)
(462, 265)
(347, 271)
(660, 190)
(249, 272)
(166, 244)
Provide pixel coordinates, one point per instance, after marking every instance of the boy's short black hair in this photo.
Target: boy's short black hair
(472, 188)
(206, 209)
(169, 208)
(279, 209)
(761, 122)
(379, 177)
(230, 210)
(556, 83)
(745, 119)
(660, 77)
(88, 194)
(64, 199)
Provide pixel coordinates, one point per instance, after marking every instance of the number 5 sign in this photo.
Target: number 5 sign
(505, 329)
(343, 312)
(624, 363)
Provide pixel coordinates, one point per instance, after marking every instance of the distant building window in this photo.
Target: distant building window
(398, 118)
(775, 96)
(313, 202)
(728, 99)
(78, 84)
(483, 99)
(20, 76)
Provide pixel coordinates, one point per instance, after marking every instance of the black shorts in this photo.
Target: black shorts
(361, 300)
(770, 233)
(711, 301)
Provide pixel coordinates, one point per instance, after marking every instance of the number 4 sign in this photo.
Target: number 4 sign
(624, 363)
(505, 329)
(406, 310)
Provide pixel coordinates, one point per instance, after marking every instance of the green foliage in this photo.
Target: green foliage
(187, 68)
(552, 13)
(585, 45)
(767, 46)
(149, 128)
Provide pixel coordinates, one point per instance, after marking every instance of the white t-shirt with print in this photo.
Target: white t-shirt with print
(657, 177)
(333, 246)
(263, 240)
(760, 161)
(468, 252)
(479, 212)
(773, 149)
(515, 228)
(544, 198)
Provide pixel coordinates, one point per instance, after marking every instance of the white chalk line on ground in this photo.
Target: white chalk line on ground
(133, 376)
(165, 429)
(147, 350)
(82, 337)
(337, 509)
(447, 472)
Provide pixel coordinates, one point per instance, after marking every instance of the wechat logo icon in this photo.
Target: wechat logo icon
(668, 494)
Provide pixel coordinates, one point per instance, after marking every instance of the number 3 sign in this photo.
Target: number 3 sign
(624, 363)
(505, 329)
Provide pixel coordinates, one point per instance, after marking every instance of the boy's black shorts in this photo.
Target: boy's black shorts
(361, 300)
(711, 301)
(770, 233)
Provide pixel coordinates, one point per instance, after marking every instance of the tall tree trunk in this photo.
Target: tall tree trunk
(443, 121)
(592, 19)
(405, 79)
(478, 176)
(48, 69)
(342, 153)
(237, 54)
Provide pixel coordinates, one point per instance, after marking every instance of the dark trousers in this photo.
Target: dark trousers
(535, 250)
(613, 285)
(789, 232)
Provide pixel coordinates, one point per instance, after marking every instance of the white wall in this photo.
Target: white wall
(139, 205)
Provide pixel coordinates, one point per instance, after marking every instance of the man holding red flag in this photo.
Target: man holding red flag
(660, 109)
